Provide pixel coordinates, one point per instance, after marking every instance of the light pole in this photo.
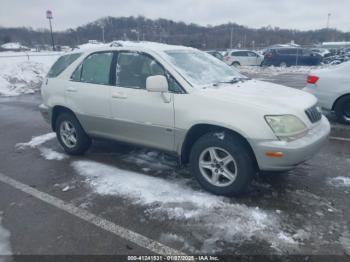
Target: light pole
(103, 34)
(328, 18)
(231, 38)
(49, 16)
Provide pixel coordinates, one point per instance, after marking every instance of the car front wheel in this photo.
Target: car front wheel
(71, 135)
(342, 110)
(222, 163)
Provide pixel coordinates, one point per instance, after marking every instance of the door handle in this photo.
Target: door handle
(119, 95)
(71, 89)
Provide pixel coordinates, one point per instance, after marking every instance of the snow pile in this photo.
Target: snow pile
(13, 46)
(5, 248)
(212, 219)
(37, 141)
(340, 181)
(18, 75)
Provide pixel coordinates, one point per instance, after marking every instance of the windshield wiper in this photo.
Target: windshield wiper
(232, 81)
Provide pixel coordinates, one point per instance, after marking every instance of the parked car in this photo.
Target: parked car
(186, 102)
(291, 57)
(332, 88)
(243, 58)
(321, 51)
(216, 54)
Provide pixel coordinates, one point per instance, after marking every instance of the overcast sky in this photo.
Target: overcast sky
(296, 14)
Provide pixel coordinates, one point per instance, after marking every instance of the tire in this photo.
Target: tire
(243, 163)
(342, 110)
(235, 64)
(75, 130)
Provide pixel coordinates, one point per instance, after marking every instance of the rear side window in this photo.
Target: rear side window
(96, 69)
(61, 64)
(251, 54)
(291, 51)
(239, 53)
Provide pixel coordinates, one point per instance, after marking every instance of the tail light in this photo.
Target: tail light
(312, 79)
(226, 58)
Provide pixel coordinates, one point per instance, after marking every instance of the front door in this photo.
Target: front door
(139, 116)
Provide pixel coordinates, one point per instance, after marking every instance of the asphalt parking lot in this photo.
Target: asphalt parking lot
(118, 199)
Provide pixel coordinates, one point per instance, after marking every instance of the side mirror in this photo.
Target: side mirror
(157, 83)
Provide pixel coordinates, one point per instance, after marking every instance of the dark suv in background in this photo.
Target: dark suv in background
(291, 57)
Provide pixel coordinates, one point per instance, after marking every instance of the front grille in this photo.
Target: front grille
(313, 114)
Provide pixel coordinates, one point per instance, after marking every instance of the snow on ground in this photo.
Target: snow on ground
(5, 248)
(150, 160)
(345, 241)
(50, 154)
(37, 141)
(340, 181)
(214, 219)
(47, 153)
(23, 72)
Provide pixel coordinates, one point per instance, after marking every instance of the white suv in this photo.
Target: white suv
(186, 102)
(243, 58)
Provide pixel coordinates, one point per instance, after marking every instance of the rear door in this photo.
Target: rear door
(253, 59)
(308, 58)
(139, 116)
(88, 93)
(241, 57)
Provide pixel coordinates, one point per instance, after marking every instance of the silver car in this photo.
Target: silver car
(186, 102)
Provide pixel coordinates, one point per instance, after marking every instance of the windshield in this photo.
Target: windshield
(202, 69)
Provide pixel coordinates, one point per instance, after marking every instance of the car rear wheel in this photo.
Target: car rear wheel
(222, 164)
(235, 64)
(71, 135)
(342, 110)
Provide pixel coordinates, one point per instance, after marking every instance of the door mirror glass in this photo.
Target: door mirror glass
(157, 83)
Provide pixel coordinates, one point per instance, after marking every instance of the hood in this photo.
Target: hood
(272, 98)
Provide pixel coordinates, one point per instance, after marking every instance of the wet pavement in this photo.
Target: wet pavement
(302, 212)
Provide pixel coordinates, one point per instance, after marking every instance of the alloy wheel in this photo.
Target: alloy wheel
(68, 134)
(218, 166)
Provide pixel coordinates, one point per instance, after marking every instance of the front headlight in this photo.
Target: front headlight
(286, 127)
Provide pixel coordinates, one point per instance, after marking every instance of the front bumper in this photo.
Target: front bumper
(294, 152)
(46, 113)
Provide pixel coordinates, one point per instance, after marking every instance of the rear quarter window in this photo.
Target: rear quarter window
(61, 64)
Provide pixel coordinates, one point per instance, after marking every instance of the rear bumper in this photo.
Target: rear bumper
(46, 113)
(294, 152)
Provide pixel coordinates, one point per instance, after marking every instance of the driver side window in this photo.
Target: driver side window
(133, 69)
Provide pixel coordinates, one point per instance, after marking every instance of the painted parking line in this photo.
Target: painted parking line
(339, 138)
(100, 222)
